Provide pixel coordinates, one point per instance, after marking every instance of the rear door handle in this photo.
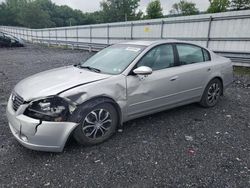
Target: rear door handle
(174, 78)
(209, 69)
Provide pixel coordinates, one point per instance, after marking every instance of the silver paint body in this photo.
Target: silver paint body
(135, 95)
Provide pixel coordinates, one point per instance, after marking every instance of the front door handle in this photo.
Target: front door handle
(174, 78)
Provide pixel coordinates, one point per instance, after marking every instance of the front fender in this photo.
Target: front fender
(77, 117)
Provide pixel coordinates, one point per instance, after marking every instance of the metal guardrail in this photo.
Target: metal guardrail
(73, 45)
(238, 59)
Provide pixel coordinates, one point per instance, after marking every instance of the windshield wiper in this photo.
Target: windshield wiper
(90, 68)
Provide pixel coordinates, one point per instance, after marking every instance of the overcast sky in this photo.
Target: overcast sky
(93, 5)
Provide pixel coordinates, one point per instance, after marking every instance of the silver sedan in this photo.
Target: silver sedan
(125, 81)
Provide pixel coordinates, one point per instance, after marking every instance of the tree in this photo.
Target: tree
(120, 10)
(4, 15)
(240, 4)
(30, 15)
(184, 8)
(92, 18)
(12, 9)
(45, 13)
(218, 6)
(154, 10)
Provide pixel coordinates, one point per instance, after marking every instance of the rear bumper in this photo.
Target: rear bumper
(36, 135)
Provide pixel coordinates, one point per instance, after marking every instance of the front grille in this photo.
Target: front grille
(17, 101)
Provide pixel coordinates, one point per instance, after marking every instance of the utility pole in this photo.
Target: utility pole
(124, 10)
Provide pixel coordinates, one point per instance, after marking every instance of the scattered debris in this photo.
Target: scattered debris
(47, 184)
(198, 120)
(189, 138)
(130, 163)
(120, 130)
(238, 159)
(191, 151)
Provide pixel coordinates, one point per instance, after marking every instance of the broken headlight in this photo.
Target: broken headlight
(49, 109)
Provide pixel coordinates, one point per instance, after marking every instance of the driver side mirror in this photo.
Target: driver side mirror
(143, 70)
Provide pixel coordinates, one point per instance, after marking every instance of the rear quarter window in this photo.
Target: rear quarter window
(206, 55)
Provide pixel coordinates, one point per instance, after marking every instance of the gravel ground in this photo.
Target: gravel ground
(184, 147)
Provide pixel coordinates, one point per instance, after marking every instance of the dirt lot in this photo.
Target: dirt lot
(184, 147)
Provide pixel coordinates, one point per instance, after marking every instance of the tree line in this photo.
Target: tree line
(45, 14)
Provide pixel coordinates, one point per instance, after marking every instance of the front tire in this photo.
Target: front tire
(98, 123)
(212, 93)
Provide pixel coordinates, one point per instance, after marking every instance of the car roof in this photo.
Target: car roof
(147, 42)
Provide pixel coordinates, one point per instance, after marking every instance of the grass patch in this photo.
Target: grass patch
(242, 70)
(60, 47)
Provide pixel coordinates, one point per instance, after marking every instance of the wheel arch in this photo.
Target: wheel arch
(212, 78)
(104, 99)
(221, 80)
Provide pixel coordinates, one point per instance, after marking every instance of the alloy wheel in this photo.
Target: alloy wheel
(213, 93)
(97, 123)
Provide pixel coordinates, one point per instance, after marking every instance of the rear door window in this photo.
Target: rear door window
(189, 54)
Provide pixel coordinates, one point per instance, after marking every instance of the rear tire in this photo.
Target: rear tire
(212, 93)
(97, 123)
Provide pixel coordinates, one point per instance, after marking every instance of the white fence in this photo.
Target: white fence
(227, 33)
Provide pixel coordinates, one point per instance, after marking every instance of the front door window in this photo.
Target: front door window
(158, 58)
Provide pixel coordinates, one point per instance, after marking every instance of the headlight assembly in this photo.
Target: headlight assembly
(49, 109)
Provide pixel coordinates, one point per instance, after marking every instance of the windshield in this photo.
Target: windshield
(114, 59)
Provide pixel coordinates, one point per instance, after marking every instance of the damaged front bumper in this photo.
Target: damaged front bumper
(38, 135)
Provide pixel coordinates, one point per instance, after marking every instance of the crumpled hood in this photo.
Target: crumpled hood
(55, 81)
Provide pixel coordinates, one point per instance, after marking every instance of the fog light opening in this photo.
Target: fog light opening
(24, 138)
